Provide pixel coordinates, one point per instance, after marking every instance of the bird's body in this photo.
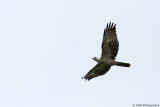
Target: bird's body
(108, 61)
(110, 46)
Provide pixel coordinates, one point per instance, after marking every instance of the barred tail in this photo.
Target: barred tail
(122, 64)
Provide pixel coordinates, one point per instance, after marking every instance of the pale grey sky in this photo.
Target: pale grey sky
(46, 47)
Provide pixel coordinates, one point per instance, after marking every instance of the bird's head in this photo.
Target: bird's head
(97, 59)
(94, 58)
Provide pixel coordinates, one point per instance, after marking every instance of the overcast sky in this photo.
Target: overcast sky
(46, 47)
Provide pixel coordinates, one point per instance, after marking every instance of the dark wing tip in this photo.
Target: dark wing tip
(110, 26)
(86, 78)
(89, 76)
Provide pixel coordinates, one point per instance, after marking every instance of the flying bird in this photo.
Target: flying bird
(110, 47)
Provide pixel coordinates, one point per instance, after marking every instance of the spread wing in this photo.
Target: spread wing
(99, 69)
(110, 42)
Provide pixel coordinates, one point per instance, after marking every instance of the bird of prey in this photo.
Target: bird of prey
(110, 46)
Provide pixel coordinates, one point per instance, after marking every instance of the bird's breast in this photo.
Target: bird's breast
(108, 62)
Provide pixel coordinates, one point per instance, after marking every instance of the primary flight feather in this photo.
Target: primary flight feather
(110, 46)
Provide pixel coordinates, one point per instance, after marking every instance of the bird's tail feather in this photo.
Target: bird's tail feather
(122, 64)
